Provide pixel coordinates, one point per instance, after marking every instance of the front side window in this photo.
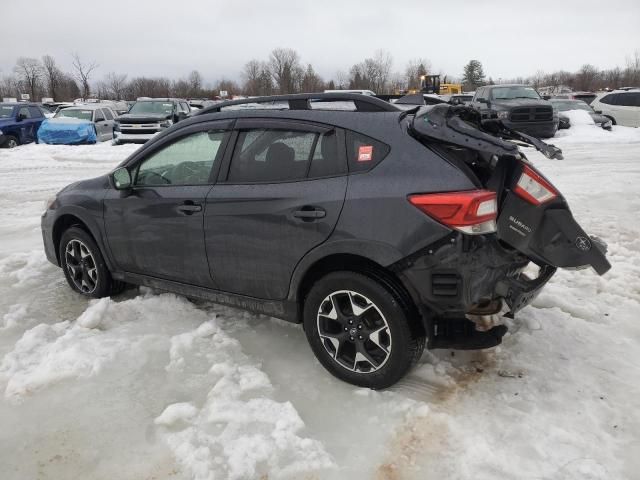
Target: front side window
(24, 112)
(187, 161)
(269, 155)
(35, 112)
(107, 113)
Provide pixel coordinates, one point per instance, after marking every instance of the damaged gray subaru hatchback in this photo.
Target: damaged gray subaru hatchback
(380, 230)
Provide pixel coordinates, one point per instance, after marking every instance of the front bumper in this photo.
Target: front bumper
(134, 138)
(46, 225)
(535, 129)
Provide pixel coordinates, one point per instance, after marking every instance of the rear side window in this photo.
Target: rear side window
(609, 99)
(270, 155)
(35, 112)
(364, 152)
(630, 99)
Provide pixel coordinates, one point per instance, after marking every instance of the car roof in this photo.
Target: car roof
(88, 106)
(20, 104)
(162, 100)
(508, 85)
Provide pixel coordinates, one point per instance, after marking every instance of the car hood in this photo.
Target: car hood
(142, 117)
(520, 102)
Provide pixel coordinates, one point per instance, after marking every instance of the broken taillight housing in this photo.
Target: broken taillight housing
(533, 188)
(473, 212)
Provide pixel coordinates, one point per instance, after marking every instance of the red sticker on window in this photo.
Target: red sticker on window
(365, 153)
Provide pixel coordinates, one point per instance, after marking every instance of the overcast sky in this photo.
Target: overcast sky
(167, 37)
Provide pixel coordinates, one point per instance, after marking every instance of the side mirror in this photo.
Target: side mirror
(20, 117)
(599, 111)
(121, 178)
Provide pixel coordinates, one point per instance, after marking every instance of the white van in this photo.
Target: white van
(621, 106)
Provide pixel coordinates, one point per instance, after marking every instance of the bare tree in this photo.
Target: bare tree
(311, 81)
(285, 68)
(195, 84)
(29, 71)
(9, 86)
(415, 69)
(251, 76)
(52, 74)
(116, 85)
(82, 73)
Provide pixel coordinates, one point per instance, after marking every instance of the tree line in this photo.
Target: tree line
(281, 73)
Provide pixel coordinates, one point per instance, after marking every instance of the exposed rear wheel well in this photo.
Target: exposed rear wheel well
(356, 263)
(62, 224)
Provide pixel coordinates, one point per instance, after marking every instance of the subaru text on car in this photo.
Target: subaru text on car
(378, 229)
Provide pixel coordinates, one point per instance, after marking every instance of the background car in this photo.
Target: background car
(519, 107)
(78, 124)
(148, 117)
(565, 104)
(621, 106)
(19, 123)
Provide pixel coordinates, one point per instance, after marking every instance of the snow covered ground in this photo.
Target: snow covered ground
(149, 385)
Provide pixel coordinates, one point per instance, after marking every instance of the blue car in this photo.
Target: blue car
(77, 125)
(19, 123)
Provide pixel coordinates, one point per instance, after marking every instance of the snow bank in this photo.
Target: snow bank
(238, 432)
(583, 130)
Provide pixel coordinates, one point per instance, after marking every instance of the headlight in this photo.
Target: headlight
(166, 124)
(503, 115)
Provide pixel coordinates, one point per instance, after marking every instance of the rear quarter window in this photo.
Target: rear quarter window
(364, 152)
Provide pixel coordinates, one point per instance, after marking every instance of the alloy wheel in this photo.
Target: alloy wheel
(354, 332)
(11, 143)
(81, 266)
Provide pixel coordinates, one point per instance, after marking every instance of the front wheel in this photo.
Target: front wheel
(83, 265)
(359, 330)
(11, 142)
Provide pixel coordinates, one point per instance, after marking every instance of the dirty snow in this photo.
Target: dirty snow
(151, 385)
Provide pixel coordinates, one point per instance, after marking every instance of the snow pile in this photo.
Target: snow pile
(239, 432)
(584, 130)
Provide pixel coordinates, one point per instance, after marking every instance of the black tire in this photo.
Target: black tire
(96, 284)
(10, 142)
(613, 120)
(394, 354)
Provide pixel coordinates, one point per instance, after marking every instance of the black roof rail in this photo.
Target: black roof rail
(302, 101)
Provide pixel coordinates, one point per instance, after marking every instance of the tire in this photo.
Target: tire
(84, 267)
(378, 347)
(11, 142)
(613, 120)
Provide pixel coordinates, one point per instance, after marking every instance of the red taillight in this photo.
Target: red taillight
(533, 188)
(473, 212)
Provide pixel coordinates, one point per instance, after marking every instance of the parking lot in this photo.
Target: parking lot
(173, 388)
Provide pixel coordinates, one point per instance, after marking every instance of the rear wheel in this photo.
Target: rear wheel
(359, 330)
(83, 265)
(11, 142)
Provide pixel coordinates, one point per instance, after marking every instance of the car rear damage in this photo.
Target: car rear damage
(478, 272)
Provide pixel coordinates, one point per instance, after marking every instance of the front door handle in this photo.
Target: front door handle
(189, 208)
(310, 213)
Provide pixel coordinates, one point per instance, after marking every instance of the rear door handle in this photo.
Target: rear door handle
(310, 213)
(189, 208)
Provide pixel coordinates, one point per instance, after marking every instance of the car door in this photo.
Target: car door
(37, 117)
(108, 123)
(99, 122)
(627, 108)
(25, 126)
(155, 228)
(279, 195)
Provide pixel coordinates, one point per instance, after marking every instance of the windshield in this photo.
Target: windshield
(161, 108)
(565, 106)
(6, 111)
(508, 93)
(73, 113)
